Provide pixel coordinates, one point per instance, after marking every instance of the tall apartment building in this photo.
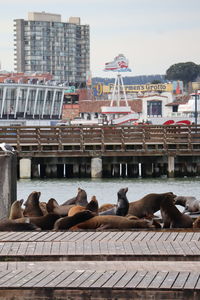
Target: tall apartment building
(44, 43)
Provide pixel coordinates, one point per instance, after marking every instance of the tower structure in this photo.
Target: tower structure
(43, 43)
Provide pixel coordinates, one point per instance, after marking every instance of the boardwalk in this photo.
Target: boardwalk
(100, 265)
(47, 141)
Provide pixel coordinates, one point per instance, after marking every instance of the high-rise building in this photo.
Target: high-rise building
(44, 43)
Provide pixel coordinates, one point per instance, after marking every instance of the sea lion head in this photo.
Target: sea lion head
(33, 198)
(16, 210)
(32, 207)
(51, 205)
(81, 198)
(93, 205)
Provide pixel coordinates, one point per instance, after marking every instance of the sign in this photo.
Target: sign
(70, 89)
(119, 64)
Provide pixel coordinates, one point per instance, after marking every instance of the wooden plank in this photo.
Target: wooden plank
(158, 280)
(180, 280)
(30, 248)
(103, 279)
(58, 279)
(70, 278)
(83, 278)
(38, 248)
(188, 237)
(37, 279)
(136, 279)
(55, 249)
(172, 236)
(17, 277)
(164, 236)
(146, 281)
(192, 280)
(8, 276)
(116, 277)
(48, 279)
(14, 248)
(169, 280)
(92, 279)
(46, 250)
(6, 248)
(128, 248)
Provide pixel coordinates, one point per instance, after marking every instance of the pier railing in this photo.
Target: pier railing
(146, 138)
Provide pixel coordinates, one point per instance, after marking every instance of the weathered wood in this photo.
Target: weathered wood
(152, 139)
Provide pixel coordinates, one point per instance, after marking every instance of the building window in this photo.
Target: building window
(175, 108)
(154, 108)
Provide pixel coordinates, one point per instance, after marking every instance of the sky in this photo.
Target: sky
(152, 34)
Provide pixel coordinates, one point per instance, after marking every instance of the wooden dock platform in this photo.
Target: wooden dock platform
(155, 264)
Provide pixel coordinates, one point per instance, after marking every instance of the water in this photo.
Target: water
(106, 189)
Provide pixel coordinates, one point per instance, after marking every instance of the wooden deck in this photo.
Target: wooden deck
(100, 265)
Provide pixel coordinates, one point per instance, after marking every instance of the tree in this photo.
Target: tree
(183, 71)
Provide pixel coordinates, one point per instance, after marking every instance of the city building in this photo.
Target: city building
(43, 43)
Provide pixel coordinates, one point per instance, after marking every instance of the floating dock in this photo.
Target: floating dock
(156, 264)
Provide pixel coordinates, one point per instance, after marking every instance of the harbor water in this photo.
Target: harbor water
(106, 190)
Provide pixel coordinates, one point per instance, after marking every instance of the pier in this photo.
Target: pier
(105, 151)
(161, 264)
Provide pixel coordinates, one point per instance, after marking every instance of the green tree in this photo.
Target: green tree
(183, 71)
(156, 81)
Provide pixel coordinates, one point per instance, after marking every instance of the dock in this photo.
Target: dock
(135, 264)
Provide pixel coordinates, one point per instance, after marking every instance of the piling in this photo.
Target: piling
(8, 183)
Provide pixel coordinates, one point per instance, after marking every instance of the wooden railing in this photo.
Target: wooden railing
(30, 138)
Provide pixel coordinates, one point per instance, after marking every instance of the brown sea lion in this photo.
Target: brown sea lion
(172, 217)
(16, 210)
(43, 206)
(44, 222)
(67, 222)
(190, 203)
(112, 222)
(92, 206)
(80, 199)
(148, 205)
(106, 206)
(32, 206)
(52, 206)
(196, 223)
(121, 209)
(12, 225)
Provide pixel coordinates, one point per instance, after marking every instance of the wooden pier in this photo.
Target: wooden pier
(105, 151)
(156, 264)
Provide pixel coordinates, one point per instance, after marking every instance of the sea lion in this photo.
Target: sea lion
(66, 222)
(190, 203)
(44, 222)
(12, 225)
(112, 222)
(196, 223)
(91, 206)
(52, 206)
(32, 206)
(172, 217)
(43, 206)
(106, 206)
(147, 205)
(121, 209)
(80, 199)
(16, 210)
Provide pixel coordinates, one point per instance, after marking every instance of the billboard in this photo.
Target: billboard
(119, 64)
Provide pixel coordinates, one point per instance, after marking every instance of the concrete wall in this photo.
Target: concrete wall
(8, 183)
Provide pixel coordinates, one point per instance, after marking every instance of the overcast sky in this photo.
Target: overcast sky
(152, 34)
